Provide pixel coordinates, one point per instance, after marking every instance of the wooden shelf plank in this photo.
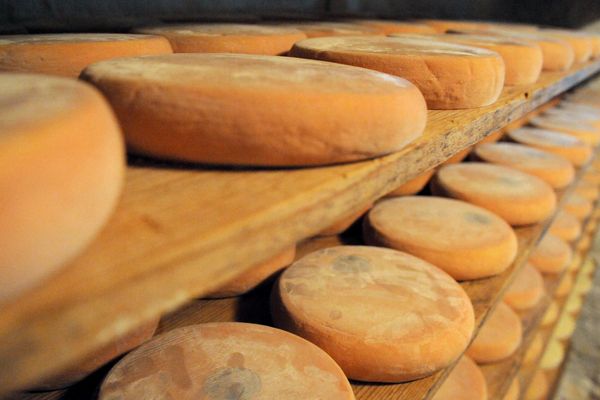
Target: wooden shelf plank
(181, 231)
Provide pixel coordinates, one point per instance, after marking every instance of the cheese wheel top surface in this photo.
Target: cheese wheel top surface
(226, 360)
(553, 355)
(565, 285)
(582, 44)
(567, 146)
(325, 28)
(578, 206)
(403, 317)
(465, 381)
(222, 30)
(565, 327)
(453, 235)
(535, 349)
(526, 290)
(552, 254)
(472, 39)
(551, 314)
(565, 226)
(582, 130)
(538, 387)
(390, 26)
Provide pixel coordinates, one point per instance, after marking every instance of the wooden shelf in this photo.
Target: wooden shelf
(180, 231)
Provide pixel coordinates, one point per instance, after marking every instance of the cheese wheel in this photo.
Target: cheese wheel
(538, 387)
(551, 314)
(534, 350)
(345, 222)
(555, 170)
(465, 382)
(558, 143)
(565, 327)
(107, 353)
(53, 205)
(565, 226)
(592, 177)
(552, 255)
(498, 338)
(553, 355)
(564, 116)
(327, 28)
(228, 38)
(574, 303)
(522, 60)
(584, 284)
(519, 198)
(466, 241)
(256, 275)
(576, 262)
(493, 137)
(412, 186)
(588, 267)
(67, 54)
(583, 245)
(258, 110)
(587, 190)
(458, 157)
(580, 129)
(578, 206)
(572, 106)
(513, 391)
(226, 360)
(383, 315)
(526, 290)
(564, 287)
(443, 26)
(391, 26)
(449, 75)
(582, 44)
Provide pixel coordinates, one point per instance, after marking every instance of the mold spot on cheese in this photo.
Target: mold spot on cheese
(232, 384)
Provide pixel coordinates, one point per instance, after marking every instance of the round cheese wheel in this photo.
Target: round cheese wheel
(458, 157)
(564, 287)
(449, 75)
(565, 327)
(345, 222)
(551, 314)
(588, 267)
(552, 255)
(534, 350)
(571, 106)
(587, 190)
(592, 177)
(566, 115)
(465, 382)
(412, 186)
(574, 303)
(519, 198)
(582, 44)
(228, 38)
(582, 130)
(327, 28)
(390, 26)
(584, 284)
(53, 205)
(253, 277)
(383, 315)
(498, 338)
(578, 206)
(565, 226)
(493, 137)
(67, 54)
(555, 170)
(466, 241)
(576, 262)
(538, 387)
(105, 354)
(226, 360)
(526, 290)
(258, 110)
(513, 391)
(553, 355)
(558, 143)
(443, 26)
(584, 244)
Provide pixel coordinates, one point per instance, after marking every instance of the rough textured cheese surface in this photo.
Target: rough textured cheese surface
(552, 255)
(466, 241)
(565, 226)
(555, 170)
(226, 361)
(383, 315)
(465, 382)
(67, 54)
(553, 355)
(499, 337)
(581, 43)
(526, 290)
(517, 197)
(538, 387)
(450, 76)
(258, 110)
(228, 38)
(61, 169)
(582, 130)
(412, 186)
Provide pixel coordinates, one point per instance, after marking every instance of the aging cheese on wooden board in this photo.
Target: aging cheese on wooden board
(565, 116)
(552, 255)
(584, 284)
(443, 26)
(327, 28)
(526, 290)
(578, 206)
(513, 391)
(62, 161)
(535, 349)
(558, 143)
(570, 106)
(581, 43)
(565, 226)
(466, 241)
(67, 54)
(517, 197)
(574, 302)
(553, 355)
(582, 130)
(551, 314)
(413, 186)
(465, 382)
(555, 170)
(383, 315)
(101, 357)
(258, 110)
(538, 387)
(345, 223)
(583, 245)
(449, 75)
(588, 267)
(228, 38)
(250, 279)
(564, 287)
(391, 26)
(587, 190)
(565, 327)
(498, 338)
(226, 360)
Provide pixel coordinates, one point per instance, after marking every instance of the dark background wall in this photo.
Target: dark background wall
(119, 15)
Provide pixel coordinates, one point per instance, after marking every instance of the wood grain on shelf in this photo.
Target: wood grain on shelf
(180, 231)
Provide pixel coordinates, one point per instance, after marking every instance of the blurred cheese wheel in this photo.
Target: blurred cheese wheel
(588, 267)
(258, 110)
(535, 349)
(458, 157)
(412, 186)
(326, 28)
(552, 255)
(226, 360)
(513, 391)
(67, 54)
(571, 106)
(107, 353)
(345, 222)
(390, 26)
(61, 170)
(551, 314)
(492, 137)
(517, 197)
(564, 287)
(565, 116)
(465, 382)
(580, 129)
(538, 387)
(582, 44)
(578, 206)
(456, 76)
(558, 143)
(442, 26)
(498, 338)
(555, 170)
(466, 241)
(574, 303)
(584, 284)
(587, 190)
(584, 243)
(526, 290)
(383, 315)
(592, 177)
(228, 38)
(553, 355)
(253, 277)
(576, 262)
(565, 327)
(565, 226)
